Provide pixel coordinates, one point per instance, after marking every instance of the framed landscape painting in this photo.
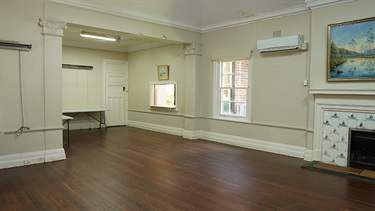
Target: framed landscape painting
(351, 50)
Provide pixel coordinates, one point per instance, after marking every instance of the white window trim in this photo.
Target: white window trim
(151, 96)
(216, 93)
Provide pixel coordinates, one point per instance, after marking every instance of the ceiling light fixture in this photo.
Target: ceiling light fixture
(97, 36)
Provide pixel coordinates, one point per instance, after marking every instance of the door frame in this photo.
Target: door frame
(126, 84)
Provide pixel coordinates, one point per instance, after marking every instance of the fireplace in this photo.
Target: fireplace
(361, 148)
(336, 112)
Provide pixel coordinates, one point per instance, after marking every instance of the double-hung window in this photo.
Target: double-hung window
(232, 92)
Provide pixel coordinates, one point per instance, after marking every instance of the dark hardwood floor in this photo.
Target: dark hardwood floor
(126, 168)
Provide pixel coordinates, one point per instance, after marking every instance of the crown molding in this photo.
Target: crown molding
(314, 4)
(259, 17)
(309, 4)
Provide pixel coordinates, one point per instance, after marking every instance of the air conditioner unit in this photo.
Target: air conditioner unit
(294, 42)
(15, 45)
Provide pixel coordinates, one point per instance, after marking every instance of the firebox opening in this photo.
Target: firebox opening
(362, 148)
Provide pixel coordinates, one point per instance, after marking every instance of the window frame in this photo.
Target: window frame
(217, 71)
(152, 105)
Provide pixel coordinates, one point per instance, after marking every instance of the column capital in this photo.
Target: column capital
(193, 49)
(52, 27)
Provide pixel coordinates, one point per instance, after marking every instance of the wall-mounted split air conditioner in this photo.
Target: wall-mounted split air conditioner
(276, 44)
(15, 46)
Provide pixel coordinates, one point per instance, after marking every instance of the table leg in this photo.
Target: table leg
(104, 120)
(68, 132)
(100, 122)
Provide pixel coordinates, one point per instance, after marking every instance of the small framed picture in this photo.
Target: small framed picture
(163, 72)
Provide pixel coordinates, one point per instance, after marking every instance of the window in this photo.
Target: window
(232, 92)
(163, 95)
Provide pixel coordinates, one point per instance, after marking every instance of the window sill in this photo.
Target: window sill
(164, 108)
(233, 118)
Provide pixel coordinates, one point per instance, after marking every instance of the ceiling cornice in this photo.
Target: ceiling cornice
(309, 4)
(314, 4)
(262, 16)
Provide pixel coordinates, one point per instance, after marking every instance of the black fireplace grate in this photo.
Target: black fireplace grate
(362, 148)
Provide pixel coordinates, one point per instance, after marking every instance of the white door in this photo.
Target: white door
(116, 83)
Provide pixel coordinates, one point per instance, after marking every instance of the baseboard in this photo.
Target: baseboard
(308, 155)
(188, 134)
(284, 149)
(24, 159)
(157, 128)
(266, 146)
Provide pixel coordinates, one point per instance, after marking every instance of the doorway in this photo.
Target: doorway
(116, 92)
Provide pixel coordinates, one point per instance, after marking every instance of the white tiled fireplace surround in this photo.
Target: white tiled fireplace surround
(335, 112)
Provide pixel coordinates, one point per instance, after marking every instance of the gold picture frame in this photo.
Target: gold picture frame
(351, 51)
(163, 72)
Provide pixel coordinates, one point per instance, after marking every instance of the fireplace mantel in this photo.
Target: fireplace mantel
(341, 102)
(319, 91)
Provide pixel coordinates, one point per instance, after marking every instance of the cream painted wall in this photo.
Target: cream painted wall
(282, 108)
(280, 104)
(85, 88)
(251, 131)
(41, 79)
(161, 119)
(278, 98)
(143, 70)
(32, 66)
(321, 17)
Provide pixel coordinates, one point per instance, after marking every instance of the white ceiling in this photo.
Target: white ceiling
(190, 14)
(196, 15)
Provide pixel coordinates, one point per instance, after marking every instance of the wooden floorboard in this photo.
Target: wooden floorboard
(127, 168)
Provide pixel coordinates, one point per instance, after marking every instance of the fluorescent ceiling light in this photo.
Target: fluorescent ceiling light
(97, 36)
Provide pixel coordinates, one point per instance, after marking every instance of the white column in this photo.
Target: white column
(53, 32)
(193, 53)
